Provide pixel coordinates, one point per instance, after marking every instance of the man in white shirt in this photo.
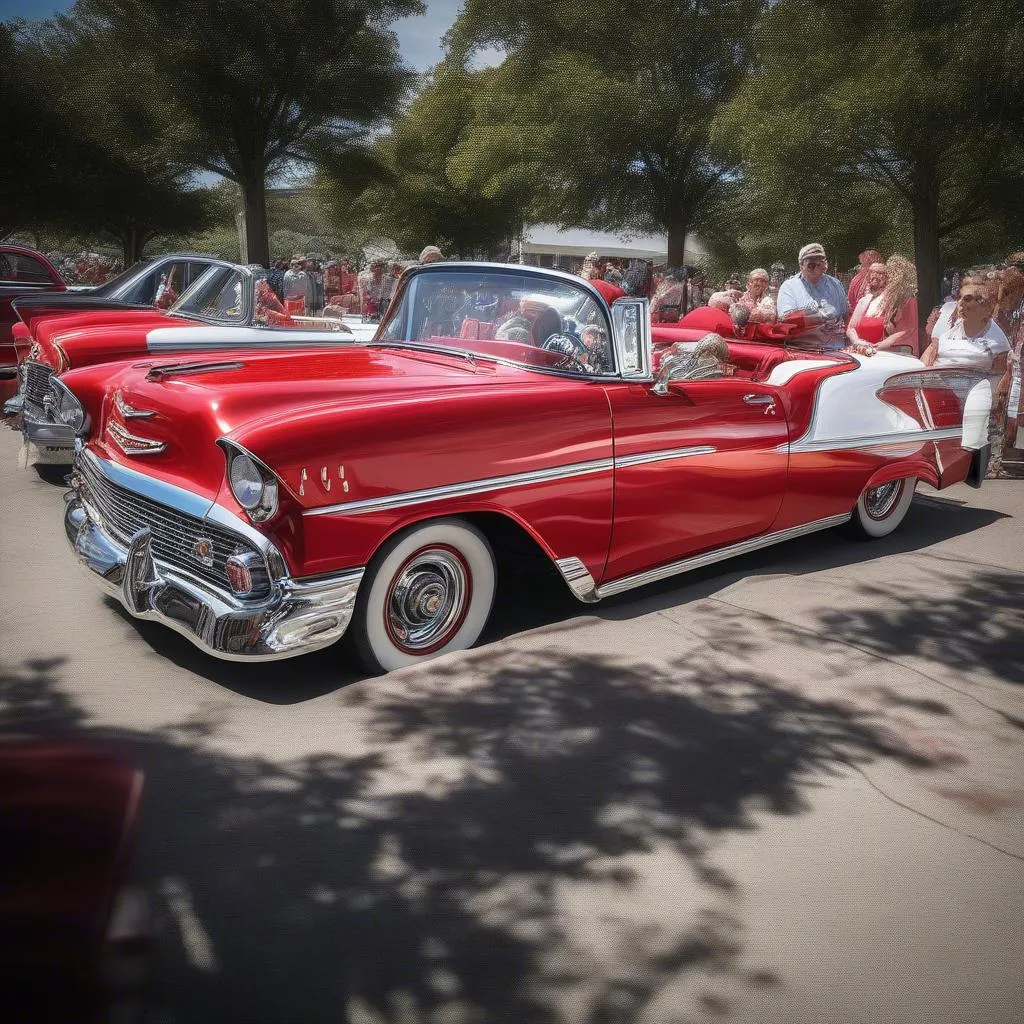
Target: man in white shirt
(821, 298)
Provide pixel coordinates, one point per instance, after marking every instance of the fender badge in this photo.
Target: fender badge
(202, 551)
(129, 412)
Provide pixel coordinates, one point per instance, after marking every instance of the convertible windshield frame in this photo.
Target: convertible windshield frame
(399, 318)
(245, 309)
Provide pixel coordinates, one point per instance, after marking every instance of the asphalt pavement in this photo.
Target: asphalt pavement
(785, 789)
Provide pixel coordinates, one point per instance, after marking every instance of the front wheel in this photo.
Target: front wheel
(427, 592)
(879, 510)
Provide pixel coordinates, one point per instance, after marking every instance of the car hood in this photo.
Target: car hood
(86, 338)
(270, 403)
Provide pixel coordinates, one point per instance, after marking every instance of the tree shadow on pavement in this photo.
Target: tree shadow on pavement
(525, 838)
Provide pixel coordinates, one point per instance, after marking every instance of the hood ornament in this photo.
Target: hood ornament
(129, 412)
(132, 444)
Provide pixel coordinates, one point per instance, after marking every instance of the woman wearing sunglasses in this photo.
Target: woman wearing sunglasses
(975, 342)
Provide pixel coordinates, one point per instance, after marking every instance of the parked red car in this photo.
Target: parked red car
(234, 305)
(265, 504)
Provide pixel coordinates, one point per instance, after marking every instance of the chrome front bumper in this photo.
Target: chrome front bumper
(297, 617)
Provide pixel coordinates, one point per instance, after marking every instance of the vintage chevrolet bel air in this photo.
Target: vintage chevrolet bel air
(233, 306)
(266, 504)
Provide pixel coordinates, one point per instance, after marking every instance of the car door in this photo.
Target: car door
(700, 467)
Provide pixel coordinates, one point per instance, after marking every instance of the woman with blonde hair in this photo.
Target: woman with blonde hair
(867, 324)
(899, 305)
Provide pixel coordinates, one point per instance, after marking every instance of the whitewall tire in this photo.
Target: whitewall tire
(428, 591)
(879, 510)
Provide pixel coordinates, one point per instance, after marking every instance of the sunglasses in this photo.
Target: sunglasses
(814, 264)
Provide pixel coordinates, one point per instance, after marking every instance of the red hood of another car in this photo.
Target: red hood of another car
(87, 338)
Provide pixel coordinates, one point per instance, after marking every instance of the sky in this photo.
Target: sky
(419, 38)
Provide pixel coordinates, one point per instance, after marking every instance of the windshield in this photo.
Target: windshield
(114, 284)
(531, 319)
(220, 294)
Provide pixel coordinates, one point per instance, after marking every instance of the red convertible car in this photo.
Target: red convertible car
(265, 504)
(233, 305)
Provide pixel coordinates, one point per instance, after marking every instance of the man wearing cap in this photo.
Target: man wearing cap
(820, 298)
(431, 254)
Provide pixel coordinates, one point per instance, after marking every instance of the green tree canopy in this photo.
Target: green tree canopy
(893, 112)
(248, 87)
(431, 195)
(609, 109)
(81, 152)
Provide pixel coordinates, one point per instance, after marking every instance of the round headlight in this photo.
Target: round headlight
(246, 481)
(67, 408)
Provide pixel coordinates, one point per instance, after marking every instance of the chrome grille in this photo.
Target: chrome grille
(174, 533)
(36, 378)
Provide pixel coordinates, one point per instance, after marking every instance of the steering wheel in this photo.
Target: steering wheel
(566, 347)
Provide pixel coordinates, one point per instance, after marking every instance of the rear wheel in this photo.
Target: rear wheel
(427, 592)
(879, 510)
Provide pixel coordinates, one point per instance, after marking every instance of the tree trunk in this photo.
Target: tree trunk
(677, 243)
(926, 244)
(131, 244)
(254, 196)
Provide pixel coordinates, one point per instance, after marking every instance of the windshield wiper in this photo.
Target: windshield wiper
(442, 350)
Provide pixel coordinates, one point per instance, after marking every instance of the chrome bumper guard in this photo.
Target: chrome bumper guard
(297, 617)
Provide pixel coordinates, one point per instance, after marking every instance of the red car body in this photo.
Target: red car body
(444, 441)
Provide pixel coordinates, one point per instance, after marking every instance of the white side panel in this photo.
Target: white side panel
(977, 409)
(847, 406)
(785, 372)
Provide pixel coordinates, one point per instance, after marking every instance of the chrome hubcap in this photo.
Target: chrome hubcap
(428, 599)
(880, 501)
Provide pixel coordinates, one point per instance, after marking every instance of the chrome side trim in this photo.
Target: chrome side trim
(837, 444)
(578, 578)
(494, 483)
(625, 461)
(765, 540)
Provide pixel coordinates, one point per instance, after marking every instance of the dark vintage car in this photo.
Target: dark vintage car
(267, 503)
(22, 272)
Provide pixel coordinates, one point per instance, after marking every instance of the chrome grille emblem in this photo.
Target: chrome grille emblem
(202, 551)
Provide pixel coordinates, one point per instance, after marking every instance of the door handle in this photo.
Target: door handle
(766, 400)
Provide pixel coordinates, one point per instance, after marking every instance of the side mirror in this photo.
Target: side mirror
(631, 331)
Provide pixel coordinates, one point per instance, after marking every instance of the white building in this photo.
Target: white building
(552, 246)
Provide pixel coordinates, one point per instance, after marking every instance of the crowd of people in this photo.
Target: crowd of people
(85, 268)
(979, 325)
